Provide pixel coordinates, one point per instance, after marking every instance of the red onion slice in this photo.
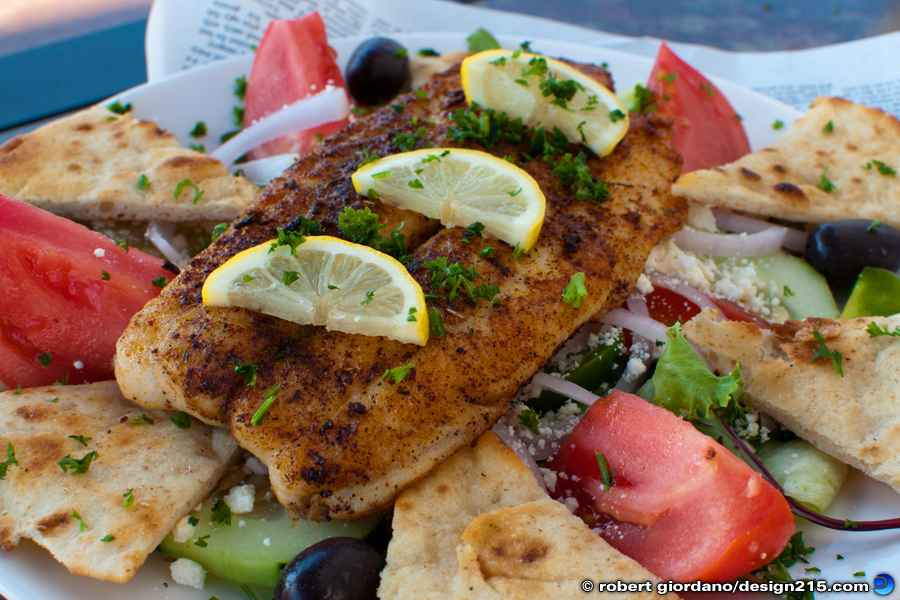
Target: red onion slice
(643, 326)
(793, 239)
(730, 244)
(329, 105)
(509, 439)
(637, 304)
(565, 388)
(682, 289)
(159, 234)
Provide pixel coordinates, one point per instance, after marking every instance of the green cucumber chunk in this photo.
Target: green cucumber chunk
(241, 553)
(600, 365)
(808, 475)
(801, 289)
(875, 294)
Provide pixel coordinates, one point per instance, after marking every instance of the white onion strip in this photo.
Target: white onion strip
(264, 170)
(159, 233)
(325, 107)
(725, 219)
(682, 289)
(509, 439)
(637, 304)
(730, 244)
(565, 388)
(646, 327)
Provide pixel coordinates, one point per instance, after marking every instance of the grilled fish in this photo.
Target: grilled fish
(339, 441)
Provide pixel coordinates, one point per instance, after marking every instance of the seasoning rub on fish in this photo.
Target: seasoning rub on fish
(339, 441)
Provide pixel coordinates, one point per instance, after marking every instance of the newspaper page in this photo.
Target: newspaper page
(184, 34)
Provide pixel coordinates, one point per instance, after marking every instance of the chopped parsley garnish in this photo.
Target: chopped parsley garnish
(142, 420)
(247, 278)
(362, 227)
(398, 374)
(518, 252)
(606, 477)
(129, 498)
(9, 462)
(561, 90)
(143, 183)
(873, 226)
(481, 40)
(408, 142)
(237, 116)
(436, 322)
(201, 541)
(118, 108)
(644, 100)
(228, 135)
(488, 250)
(401, 52)
(859, 574)
(788, 291)
(398, 107)
(616, 115)
(192, 521)
(197, 147)
(416, 185)
(181, 419)
(63, 381)
(825, 184)
(834, 356)
(333, 287)
(411, 316)
(850, 524)
(473, 230)
(882, 168)
(874, 330)
(529, 419)
(287, 238)
(575, 291)
(515, 193)
(104, 275)
(81, 439)
(289, 277)
(369, 297)
(79, 466)
(454, 275)
(199, 130)
(55, 400)
(246, 370)
(367, 158)
(428, 52)
(221, 513)
(708, 89)
(829, 127)
(576, 174)
(240, 87)
(123, 244)
(198, 193)
(778, 124)
(421, 95)
(18, 391)
(82, 526)
(268, 400)
(160, 282)
(108, 538)
(45, 359)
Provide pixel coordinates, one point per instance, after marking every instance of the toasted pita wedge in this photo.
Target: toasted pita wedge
(87, 166)
(168, 470)
(479, 526)
(783, 180)
(854, 418)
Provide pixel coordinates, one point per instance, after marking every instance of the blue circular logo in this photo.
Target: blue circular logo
(884, 584)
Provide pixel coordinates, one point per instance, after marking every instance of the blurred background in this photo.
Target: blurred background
(45, 44)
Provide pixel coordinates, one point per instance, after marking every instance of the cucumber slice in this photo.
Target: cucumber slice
(875, 294)
(801, 289)
(254, 554)
(808, 475)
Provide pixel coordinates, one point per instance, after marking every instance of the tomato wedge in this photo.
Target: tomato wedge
(66, 295)
(293, 61)
(707, 130)
(681, 505)
(669, 308)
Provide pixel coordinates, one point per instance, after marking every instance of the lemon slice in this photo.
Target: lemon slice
(516, 83)
(460, 187)
(324, 281)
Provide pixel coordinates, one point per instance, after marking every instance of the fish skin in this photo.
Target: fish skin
(339, 442)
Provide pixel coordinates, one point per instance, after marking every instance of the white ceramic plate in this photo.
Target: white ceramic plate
(206, 94)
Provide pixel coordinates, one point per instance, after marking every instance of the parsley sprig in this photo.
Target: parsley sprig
(452, 276)
(834, 356)
(78, 466)
(398, 374)
(875, 330)
(9, 462)
(221, 513)
(575, 291)
(362, 227)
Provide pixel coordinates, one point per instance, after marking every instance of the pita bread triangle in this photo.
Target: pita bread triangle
(854, 148)
(89, 166)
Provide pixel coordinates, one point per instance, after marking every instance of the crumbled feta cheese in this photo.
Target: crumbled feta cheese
(267, 542)
(187, 572)
(701, 217)
(242, 523)
(634, 368)
(183, 530)
(571, 504)
(549, 479)
(99, 252)
(643, 284)
(240, 498)
(78, 364)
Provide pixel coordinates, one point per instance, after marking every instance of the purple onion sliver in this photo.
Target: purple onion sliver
(729, 244)
(643, 326)
(502, 431)
(565, 388)
(793, 240)
(638, 305)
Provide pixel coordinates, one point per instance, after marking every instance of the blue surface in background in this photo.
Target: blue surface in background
(52, 79)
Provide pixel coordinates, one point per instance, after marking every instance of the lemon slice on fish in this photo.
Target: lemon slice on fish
(459, 187)
(547, 92)
(324, 281)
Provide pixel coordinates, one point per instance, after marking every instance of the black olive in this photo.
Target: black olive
(377, 71)
(339, 568)
(840, 250)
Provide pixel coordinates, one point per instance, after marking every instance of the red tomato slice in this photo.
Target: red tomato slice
(682, 505)
(54, 301)
(293, 61)
(707, 130)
